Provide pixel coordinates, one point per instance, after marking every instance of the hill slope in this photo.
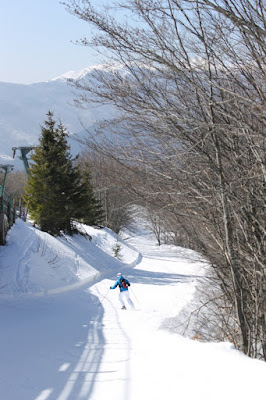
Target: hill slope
(64, 337)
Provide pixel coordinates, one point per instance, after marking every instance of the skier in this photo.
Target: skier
(123, 294)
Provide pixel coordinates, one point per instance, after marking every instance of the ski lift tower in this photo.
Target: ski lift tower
(24, 151)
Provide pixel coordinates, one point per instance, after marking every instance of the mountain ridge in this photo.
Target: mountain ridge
(23, 110)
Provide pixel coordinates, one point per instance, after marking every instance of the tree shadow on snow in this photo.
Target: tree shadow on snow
(158, 278)
(55, 347)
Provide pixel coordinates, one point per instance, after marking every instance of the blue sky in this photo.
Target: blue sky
(35, 43)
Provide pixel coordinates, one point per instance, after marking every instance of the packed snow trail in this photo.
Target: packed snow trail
(79, 344)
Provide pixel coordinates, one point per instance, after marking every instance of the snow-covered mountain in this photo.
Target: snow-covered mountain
(23, 110)
(84, 72)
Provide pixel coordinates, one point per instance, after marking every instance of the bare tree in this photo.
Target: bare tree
(15, 183)
(191, 125)
(110, 190)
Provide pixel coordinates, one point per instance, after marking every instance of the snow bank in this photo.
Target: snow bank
(34, 262)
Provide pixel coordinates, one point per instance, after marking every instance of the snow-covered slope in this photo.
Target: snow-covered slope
(63, 335)
(35, 262)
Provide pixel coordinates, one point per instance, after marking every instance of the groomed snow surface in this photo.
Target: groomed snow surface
(63, 335)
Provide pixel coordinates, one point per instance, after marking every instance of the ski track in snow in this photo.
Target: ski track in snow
(105, 364)
(23, 268)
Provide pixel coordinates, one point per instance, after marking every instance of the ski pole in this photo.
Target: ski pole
(134, 295)
(103, 297)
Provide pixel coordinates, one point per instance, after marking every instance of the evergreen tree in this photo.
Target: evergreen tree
(55, 189)
(92, 212)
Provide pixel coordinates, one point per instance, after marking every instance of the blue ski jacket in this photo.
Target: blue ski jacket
(118, 283)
